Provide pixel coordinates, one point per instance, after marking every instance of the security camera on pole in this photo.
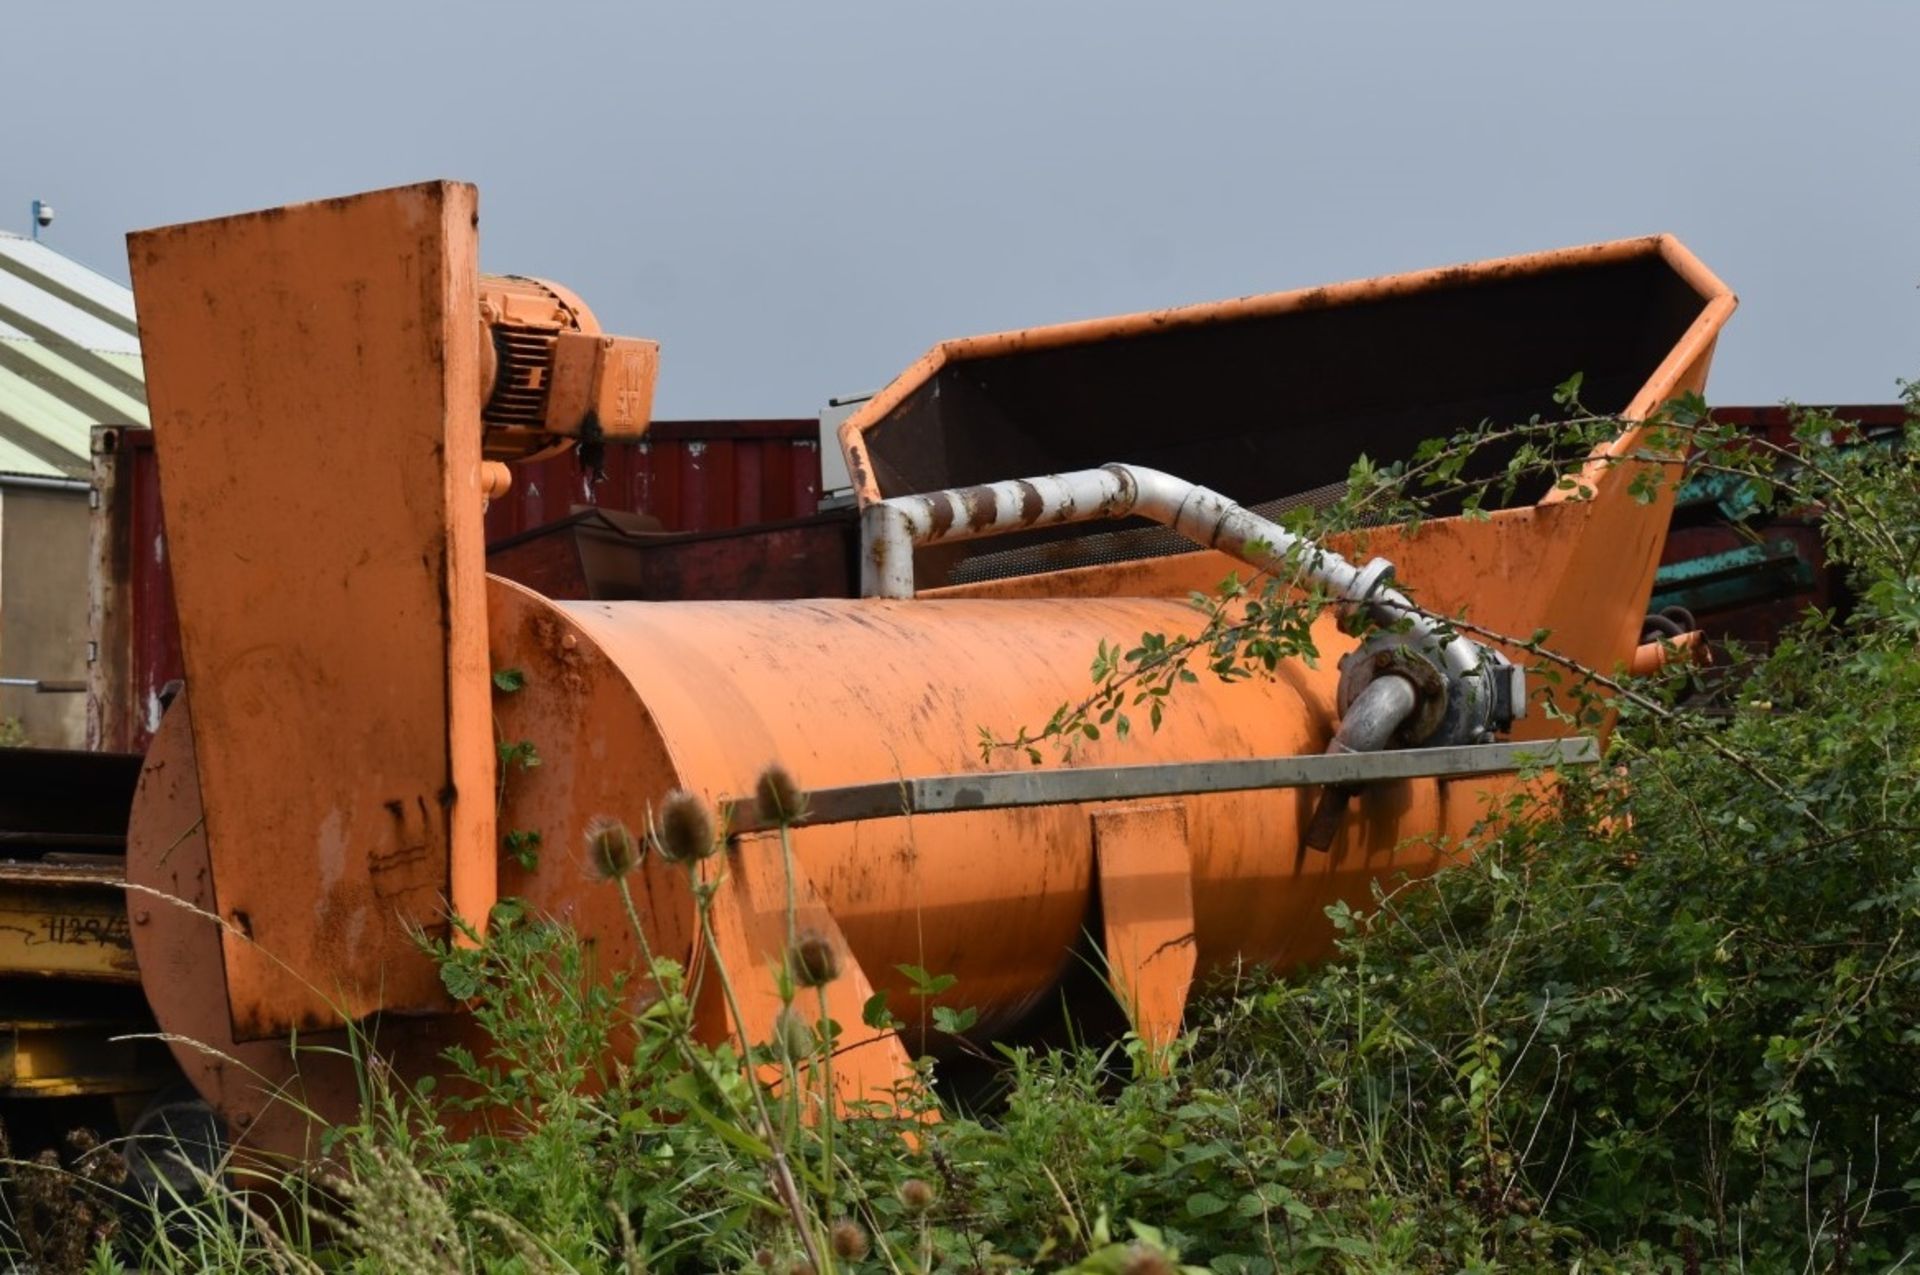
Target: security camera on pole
(42, 217)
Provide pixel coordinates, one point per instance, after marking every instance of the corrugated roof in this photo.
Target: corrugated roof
(69, 360)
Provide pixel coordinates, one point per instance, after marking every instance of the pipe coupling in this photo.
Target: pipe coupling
(1468, 693)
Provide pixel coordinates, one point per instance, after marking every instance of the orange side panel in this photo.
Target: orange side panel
(1146, 905)
(313, 376)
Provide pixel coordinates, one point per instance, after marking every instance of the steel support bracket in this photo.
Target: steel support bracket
(1145, 870)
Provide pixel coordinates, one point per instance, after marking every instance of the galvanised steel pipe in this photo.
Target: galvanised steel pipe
(891, 529)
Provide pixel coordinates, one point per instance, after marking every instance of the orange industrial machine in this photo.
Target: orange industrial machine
(329, 382)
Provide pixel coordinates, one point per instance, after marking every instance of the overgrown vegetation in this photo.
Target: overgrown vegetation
(1667, 1018)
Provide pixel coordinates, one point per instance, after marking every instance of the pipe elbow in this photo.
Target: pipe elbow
(1380, 711)
(1369, 725)
(1150, 493)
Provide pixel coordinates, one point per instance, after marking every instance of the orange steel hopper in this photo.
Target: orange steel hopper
(327, 784)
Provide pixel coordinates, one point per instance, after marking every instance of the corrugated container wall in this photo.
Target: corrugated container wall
(690, 475)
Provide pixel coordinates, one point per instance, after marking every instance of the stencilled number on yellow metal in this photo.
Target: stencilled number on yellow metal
(97, 931)
(79, 930)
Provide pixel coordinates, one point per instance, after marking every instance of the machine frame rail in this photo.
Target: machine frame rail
(1005, 789)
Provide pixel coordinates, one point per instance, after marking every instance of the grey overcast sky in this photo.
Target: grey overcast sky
(796, 199)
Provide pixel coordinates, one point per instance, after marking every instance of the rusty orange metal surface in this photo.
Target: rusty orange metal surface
(548, 373)
(264, 1089)
(1580, 568)
(1636, 317)
(1144, 862)
(313, 373)
(625, 701)
(851, 691)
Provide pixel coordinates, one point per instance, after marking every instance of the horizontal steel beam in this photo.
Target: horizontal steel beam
(1006, 789)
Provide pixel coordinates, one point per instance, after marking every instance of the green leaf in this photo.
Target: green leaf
(1205, 1204)
(520, 752)
(954, 1021)
(875, 1013)
(523, 844)
(509, 680)
(460, 978)
(925, 984)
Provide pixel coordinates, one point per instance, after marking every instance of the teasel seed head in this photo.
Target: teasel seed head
(684, 832)
(917, 1195)
(792, 1034)
(812, 961)
(779, 798)
(612, 849)
(849, 1240)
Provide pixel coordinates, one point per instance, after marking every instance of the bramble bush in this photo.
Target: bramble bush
(1674, 1018)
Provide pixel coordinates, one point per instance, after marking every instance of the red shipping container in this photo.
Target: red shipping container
(689, 475)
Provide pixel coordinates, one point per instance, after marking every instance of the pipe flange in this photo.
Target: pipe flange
(1402, 655)
(1356, 608)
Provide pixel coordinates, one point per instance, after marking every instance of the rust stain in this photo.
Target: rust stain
(1031, 502)
(555, 642)
(940, 516)
(979, 505)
